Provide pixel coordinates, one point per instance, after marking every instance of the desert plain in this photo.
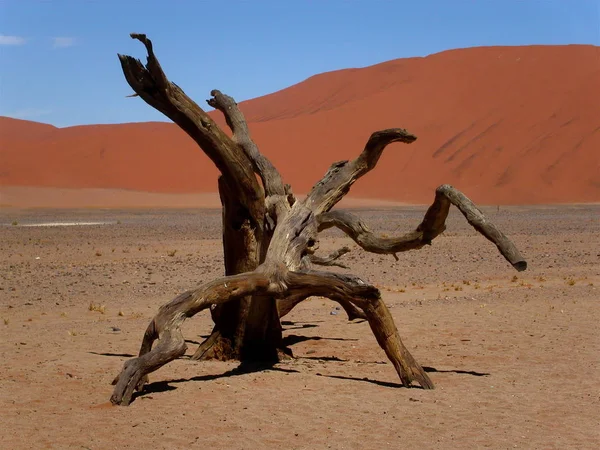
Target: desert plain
(514, 355)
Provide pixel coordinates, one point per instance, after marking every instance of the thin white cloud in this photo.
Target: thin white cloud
(12, 40)
(28, 113)
(63, 42)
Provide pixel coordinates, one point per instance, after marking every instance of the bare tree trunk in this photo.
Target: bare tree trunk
(241, 250)
(248, 328)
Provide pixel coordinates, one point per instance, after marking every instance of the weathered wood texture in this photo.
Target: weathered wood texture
(433, 224)
(331, 259)
(151, 84)
(275, 189)
(270, 240)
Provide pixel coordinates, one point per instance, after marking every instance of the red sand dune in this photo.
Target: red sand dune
(504, 124)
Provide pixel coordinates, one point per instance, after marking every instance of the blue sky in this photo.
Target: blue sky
(58, 59)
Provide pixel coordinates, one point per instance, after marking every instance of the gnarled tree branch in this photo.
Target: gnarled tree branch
(270, 176)
(379, 317)
(446, 194)
(265, 281)
(433, 224)
(329, 260)
(166, 327)
(153, 86)
(341, 175)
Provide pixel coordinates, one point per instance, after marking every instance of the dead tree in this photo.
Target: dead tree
(270, 239)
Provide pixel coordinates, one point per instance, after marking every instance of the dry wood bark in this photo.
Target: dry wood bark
(331, 259)
(433, 224)
(270, 239)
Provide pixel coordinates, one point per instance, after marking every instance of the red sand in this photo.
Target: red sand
(504, 124)
(515, 360)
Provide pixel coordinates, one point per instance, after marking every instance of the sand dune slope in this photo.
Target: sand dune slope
(505, 124)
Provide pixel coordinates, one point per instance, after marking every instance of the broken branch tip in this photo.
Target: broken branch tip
(520, 266)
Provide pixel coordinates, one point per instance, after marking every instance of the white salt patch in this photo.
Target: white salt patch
(64, 224)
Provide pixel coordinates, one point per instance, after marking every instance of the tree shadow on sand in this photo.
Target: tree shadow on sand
(242, 369)
(461, 372)
(293, 339)
(117, 355)
(399, 385)
(247, 368)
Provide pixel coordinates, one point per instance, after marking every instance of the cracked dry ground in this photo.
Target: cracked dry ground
(514, 356)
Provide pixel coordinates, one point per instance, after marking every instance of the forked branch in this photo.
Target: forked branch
(341, 175)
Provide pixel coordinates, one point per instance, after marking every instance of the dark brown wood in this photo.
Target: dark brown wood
(241, 251)
(213, 347)
(269, 243)
(247, 328)
(257, 319)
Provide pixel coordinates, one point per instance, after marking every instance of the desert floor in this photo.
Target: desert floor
(515, 356)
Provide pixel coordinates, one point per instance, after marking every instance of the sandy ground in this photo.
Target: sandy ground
(515, 356)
